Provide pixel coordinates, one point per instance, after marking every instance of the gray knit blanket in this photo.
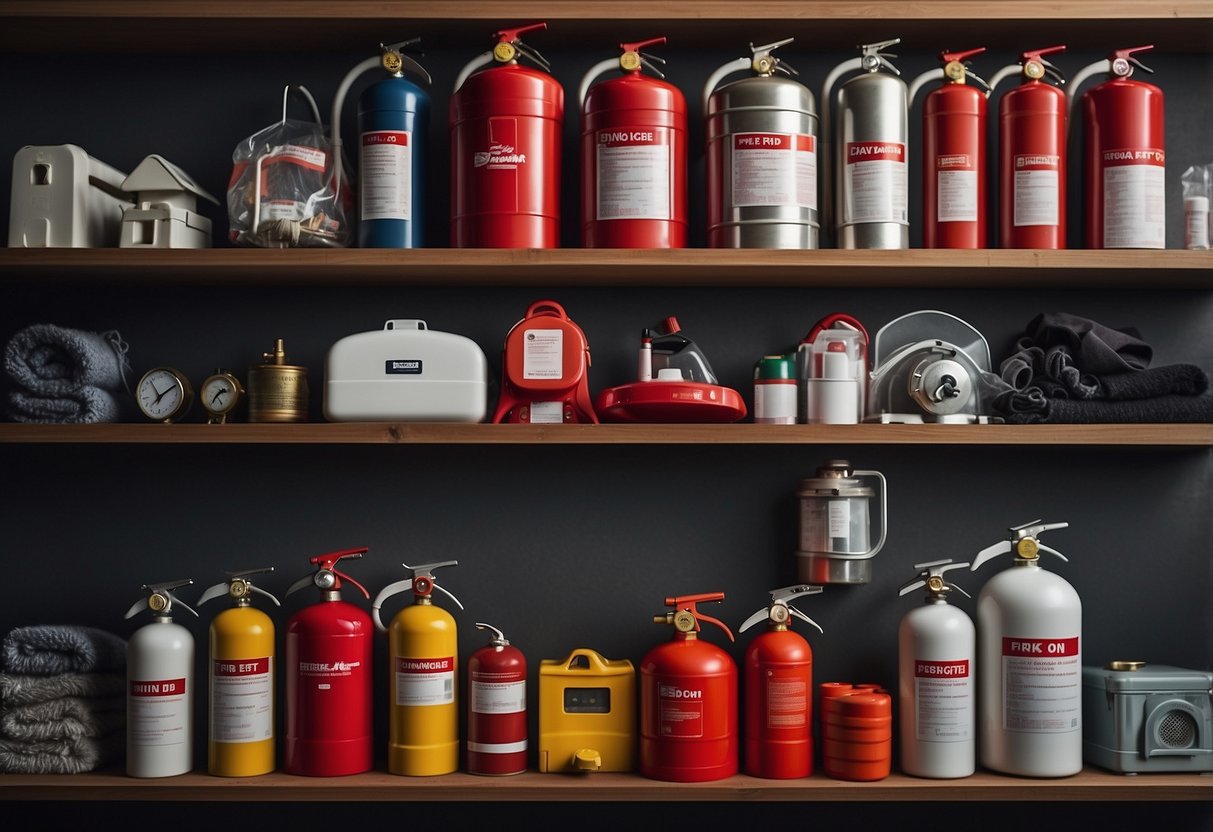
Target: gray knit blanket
(16, 691)
(50, 649)
(63, 719)
(65, 375)
(67, 756)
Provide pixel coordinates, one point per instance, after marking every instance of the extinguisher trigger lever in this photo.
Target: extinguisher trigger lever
(805, 618)
(448, 594)
(699, 616)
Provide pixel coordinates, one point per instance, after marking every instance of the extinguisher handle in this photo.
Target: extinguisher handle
(346, 577)
(546, 307)
(385, 593)
(699, 616)
(512, 35)
(721, 72)
(641, 44)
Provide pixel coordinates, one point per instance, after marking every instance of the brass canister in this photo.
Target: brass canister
(277, 391)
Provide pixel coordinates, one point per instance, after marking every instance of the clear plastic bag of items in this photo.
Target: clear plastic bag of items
(282, 193)
(1197, 182)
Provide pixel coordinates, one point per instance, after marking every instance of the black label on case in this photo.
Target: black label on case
(402, 367)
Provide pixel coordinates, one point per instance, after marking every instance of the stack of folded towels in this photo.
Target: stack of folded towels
(65, 375)
(1071, 370)
(62, 699)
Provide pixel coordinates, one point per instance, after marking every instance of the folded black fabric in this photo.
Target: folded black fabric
(1159, 409)
(1094, 347)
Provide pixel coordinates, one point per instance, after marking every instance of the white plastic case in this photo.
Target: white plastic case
(405, 372)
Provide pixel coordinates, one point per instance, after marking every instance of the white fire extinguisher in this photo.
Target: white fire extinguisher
(935, 648)
(1029, 661)
(160, 687)
(868, 155)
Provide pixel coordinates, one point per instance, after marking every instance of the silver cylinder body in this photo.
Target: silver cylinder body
(870, 184)
(762, 165)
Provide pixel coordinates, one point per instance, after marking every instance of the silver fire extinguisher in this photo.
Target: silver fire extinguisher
(868, 151)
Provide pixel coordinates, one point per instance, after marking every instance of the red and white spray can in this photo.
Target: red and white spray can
(497, 735)
(1124, 155)
(633, 155)
(779, 691)
(506, 127)
(329, 648)
(688, 700)
(1032, 155)
(953, 154)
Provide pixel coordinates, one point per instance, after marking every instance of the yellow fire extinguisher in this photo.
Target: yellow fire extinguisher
(241, 733)
(423, 735)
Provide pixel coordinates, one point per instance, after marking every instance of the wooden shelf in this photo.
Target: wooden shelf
(424, 433)
(915, 268)
(1089, 785)
(174, 26)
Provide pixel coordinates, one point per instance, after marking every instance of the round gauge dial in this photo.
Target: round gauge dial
(164, 394)
(220, 393)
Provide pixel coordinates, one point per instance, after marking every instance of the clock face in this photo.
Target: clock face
(163, 394)
(219, 394)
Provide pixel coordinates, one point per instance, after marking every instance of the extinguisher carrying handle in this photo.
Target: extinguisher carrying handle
(1119, 64)
(607, 65)
(690, 604)
(546, 307)
(839, 320)
(165, 591)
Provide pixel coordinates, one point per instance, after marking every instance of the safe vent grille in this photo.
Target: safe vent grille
(1176, 730)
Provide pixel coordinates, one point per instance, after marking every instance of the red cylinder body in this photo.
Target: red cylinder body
(506, 125)
(328, 690)
(778, 706)
(1124, 154)
(688, 712)
(954, 168)
(1032, 167)
(496, 730)
(856, 731)
(634, 164)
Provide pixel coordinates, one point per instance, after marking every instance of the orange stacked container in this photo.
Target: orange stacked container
(856, 731)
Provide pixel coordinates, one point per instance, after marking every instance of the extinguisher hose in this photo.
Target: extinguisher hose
(588, 79)
(827, 169)
(1078, 80)
(338, 104)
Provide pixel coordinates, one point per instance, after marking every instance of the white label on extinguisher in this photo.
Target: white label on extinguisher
(633, 174)
(1134, 203)
(543, 353)
(876, 182)
(386, 175)
(157, 712)
(1037, 198)
(839, 520)
(492, 697)
(679, 711)
(242, 700)
(955, 188)
(774, 169)
(775, 401)
(943, 692)
(425, 681)
(787, 698)
(1041, 685)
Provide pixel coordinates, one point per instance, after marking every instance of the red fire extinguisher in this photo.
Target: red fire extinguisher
(1124, 155)
(506, 125)
(1032, 155)
(328, 677)
(953, 155)
(633, 155)
(497, 741)
(779, 691)
(688, 700)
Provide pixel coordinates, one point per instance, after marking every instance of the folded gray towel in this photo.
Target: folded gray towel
(60, 756)
(83, 406)
(52, 360)
(63, 719)
(49, 649)
(29, 690)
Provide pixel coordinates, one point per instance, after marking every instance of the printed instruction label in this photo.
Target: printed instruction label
(296, 154)
(679, 711)
(1041, 685)
(386, 175)
(634, 174)
(955, 188)
(547, 413)
(425, 681)
(839, 521)
(492, 693)
(158, 710)
(876, 182)
(777, 169)
(1134, 198)
(543, 353)
(242, 700)
(1037, 198)
(787, 696)
(943, 692)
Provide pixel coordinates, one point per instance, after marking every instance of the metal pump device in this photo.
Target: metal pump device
(955, 70)
(239, 588)
(686, 615)
(327, 578)
(1024, 543)
(160, 599)
(421, 582)
(930, 575)
(761, 62)
(781, 610)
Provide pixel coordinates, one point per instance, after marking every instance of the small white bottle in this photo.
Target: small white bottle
(160, 688)
(936, 645)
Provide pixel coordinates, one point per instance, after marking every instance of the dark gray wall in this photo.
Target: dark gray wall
(572, 546)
